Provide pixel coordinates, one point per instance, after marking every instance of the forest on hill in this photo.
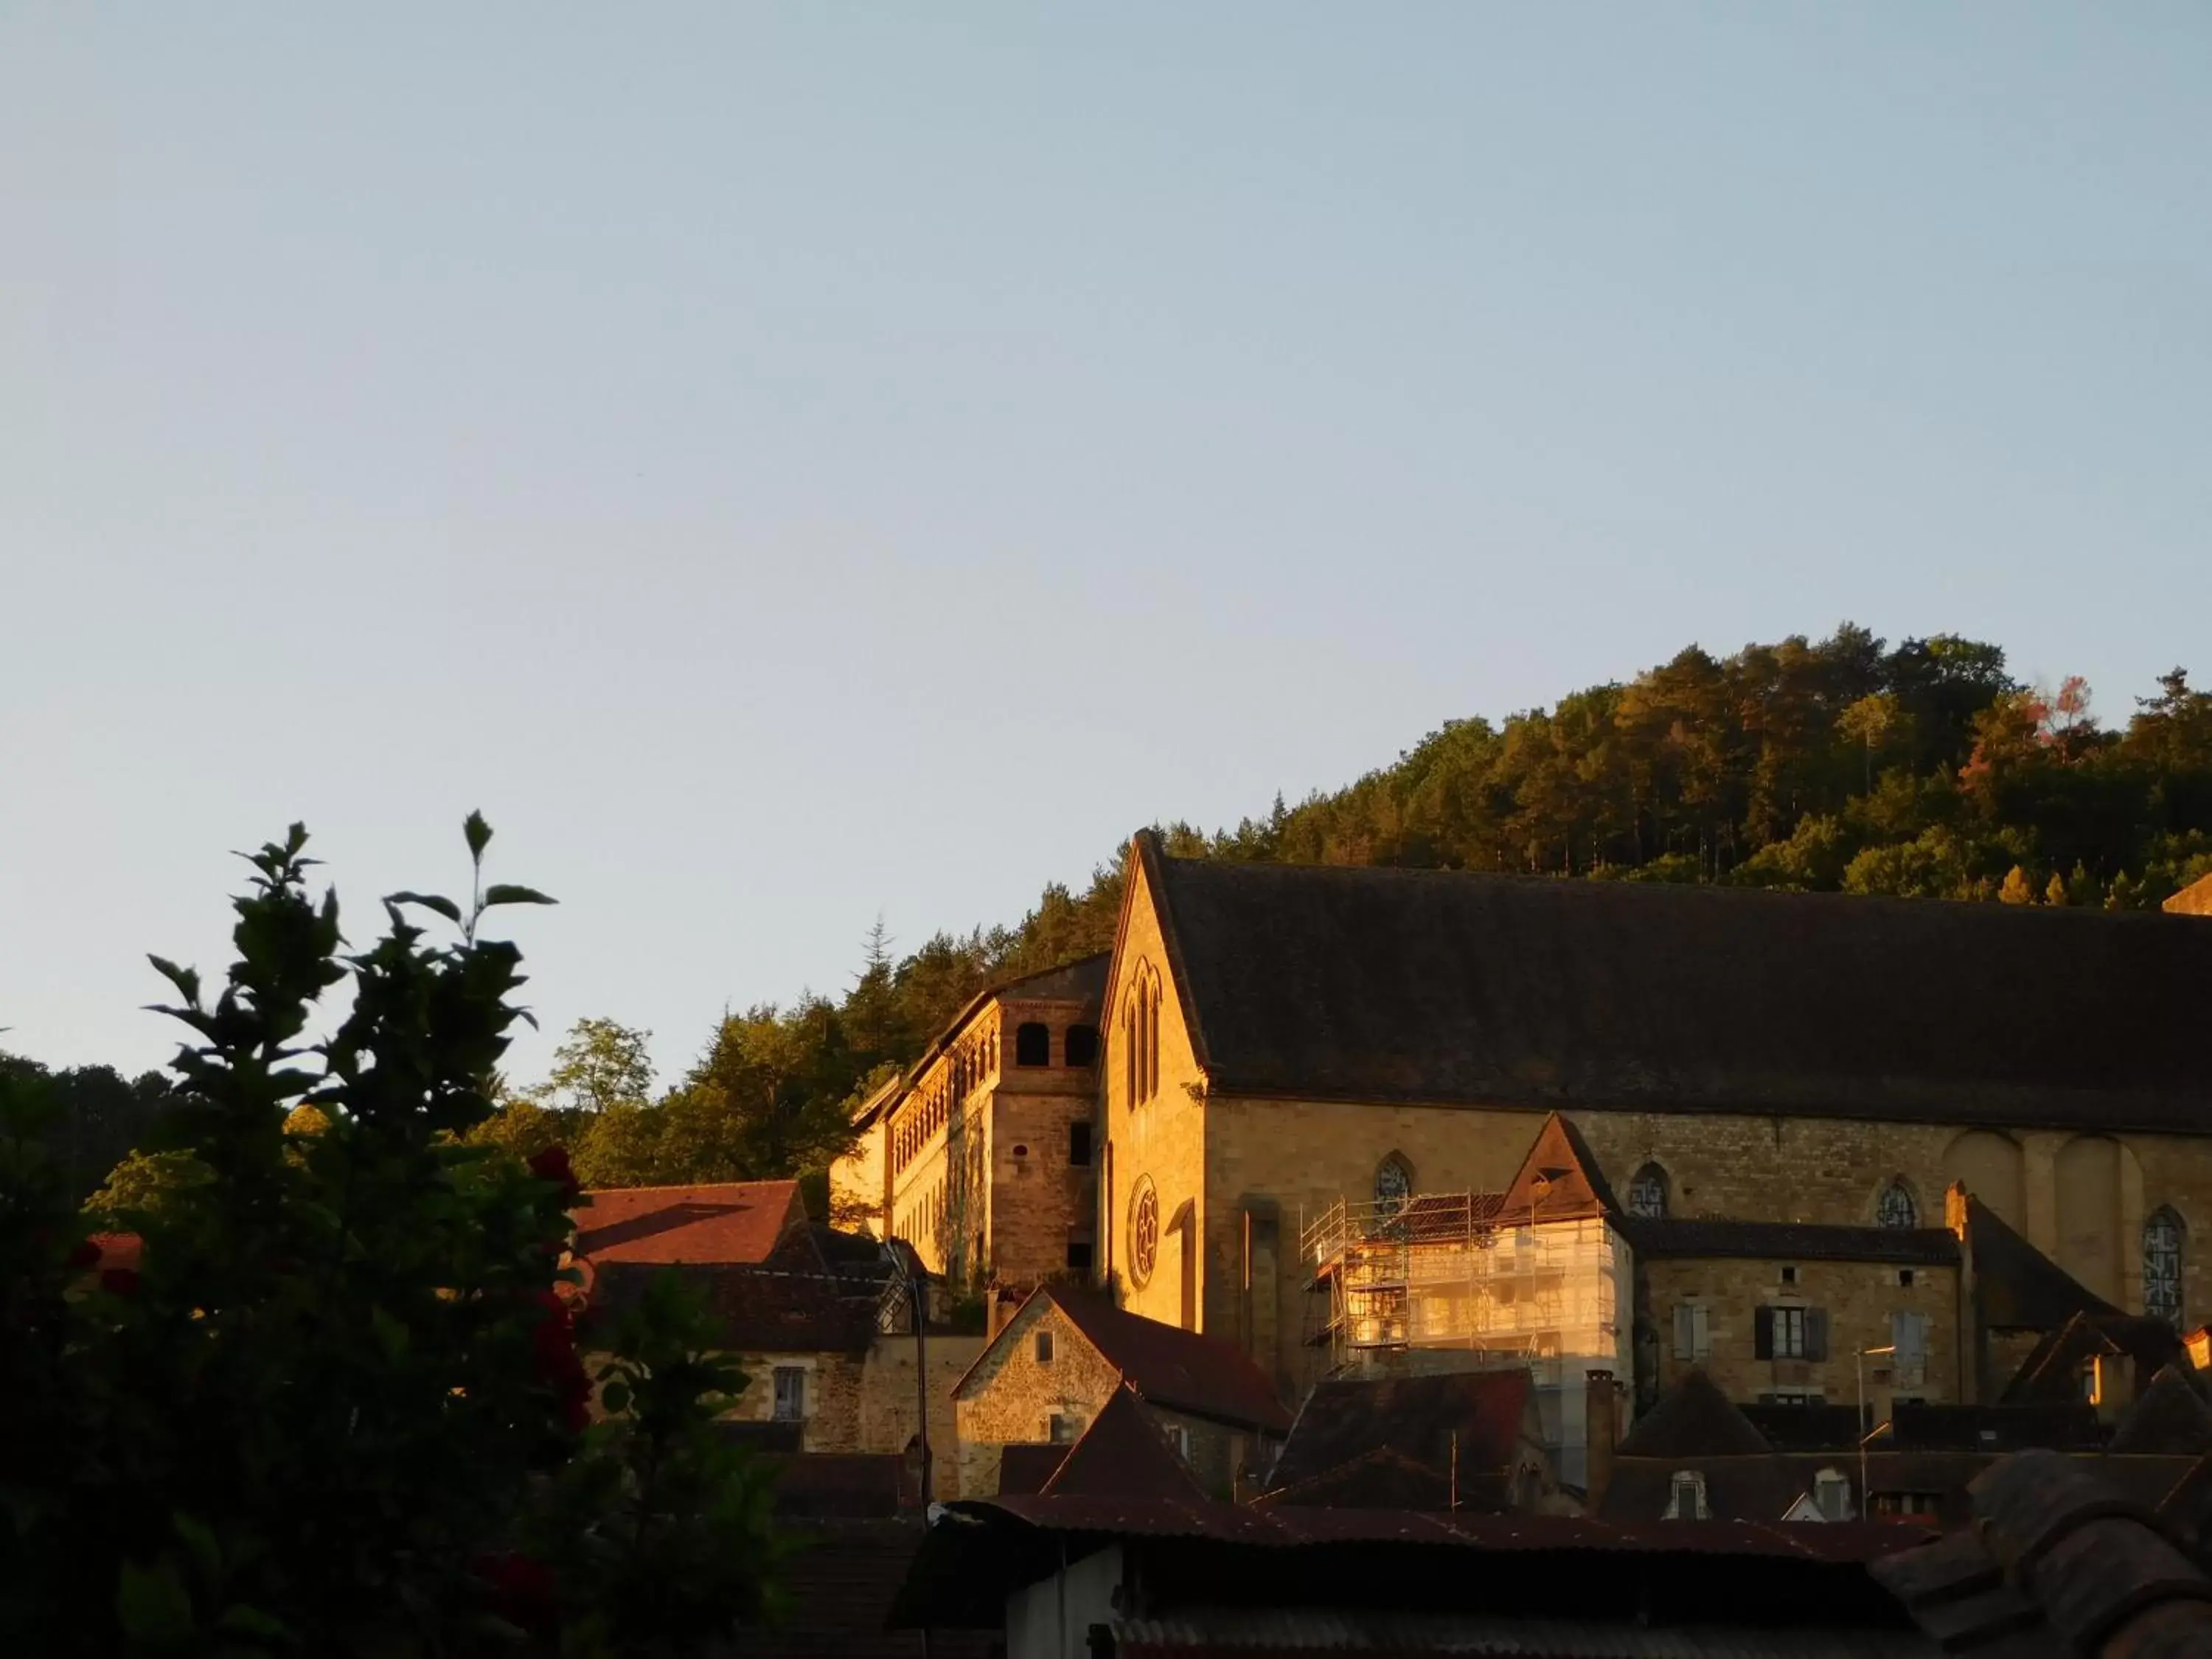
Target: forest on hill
(1924, 769)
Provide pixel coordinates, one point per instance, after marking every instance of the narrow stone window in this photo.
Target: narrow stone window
(1078, 1255)
(1646, 1191)
(1393, 1185)
(1078, 1145)
(1044, 1347)
(1081, 1045)
(2162, 1259)
(1032, 1044)
(1895, 1207)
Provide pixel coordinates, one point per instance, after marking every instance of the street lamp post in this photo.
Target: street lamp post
(1865, 1498)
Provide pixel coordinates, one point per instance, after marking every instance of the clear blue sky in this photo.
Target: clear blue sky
(787, 464)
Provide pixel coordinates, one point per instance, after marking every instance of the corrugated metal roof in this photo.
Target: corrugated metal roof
(1252, 1634)
(1288, 1527)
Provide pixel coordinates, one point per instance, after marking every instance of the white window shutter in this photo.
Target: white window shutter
(1686, 1333)
(1701, 1343)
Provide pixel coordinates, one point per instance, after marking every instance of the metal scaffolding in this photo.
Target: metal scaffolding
(1451, 1280)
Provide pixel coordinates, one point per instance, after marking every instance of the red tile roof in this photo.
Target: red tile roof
(725, 1223)
(1181, 1370)
(1121, 1454)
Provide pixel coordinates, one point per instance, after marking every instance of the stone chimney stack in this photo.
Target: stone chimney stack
(1602, 1424)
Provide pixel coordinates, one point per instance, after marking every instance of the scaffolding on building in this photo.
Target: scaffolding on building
(1452, 1281)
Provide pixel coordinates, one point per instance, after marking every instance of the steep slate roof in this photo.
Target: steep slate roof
(2171, 1418)
(1430, 985)
(2053, 1370)
(731, 1221)
(1692, 1419)
(1784, 1241)
(1417, 1417)
(2018, 1287)
(1121, 1454)
(1165, 1365)
(1558, 1178)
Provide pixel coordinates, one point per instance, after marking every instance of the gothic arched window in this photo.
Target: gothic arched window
(1646, 1191)
(2161, 1262)
(1393, 1185)
(1895, 1207)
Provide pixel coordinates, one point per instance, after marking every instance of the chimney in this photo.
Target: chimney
(1602, 1424)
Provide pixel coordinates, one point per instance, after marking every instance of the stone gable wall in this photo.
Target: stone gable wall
(1012, 1395)
(1163, 1139)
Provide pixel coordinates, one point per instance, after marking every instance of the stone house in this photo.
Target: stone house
(1278, 1038)
(823, 1332)
(983, 1155)
(1063, 1357)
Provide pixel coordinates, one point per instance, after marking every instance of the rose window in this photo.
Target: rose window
(1144, 1231)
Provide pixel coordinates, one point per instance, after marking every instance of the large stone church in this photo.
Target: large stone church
(1836, 1075)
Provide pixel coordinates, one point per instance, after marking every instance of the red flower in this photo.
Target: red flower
(552, 1164)
(86, 1254)
(520, 1590)
(120, 1281)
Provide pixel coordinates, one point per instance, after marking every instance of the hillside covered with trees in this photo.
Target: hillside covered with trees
(1923, 769)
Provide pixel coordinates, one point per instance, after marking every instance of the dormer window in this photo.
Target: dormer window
(1685, 1496)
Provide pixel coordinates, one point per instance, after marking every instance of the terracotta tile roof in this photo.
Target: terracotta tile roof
(841, 1584)
(1121, 1454)
(1025, 1468)
(851, 1485)
(1437, 986)
(2058, 1563)
(1418, 1418)
(1385, 1479)
(734, 1221)
(1169, 1366)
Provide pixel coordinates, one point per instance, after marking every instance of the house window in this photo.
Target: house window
(2161, 1251)
(1393, 1185)
(1792, 1397)
(1078, 1255)
(1079, 1144)
(1790, 1275)
(1685, 1496)
(1908, 1335)
(791, 1394)
(1081, 1045)
(1791, 1333)
(1032, 1044)
(1904, 1277)
(1692, 1334)
(1043, 1346)
(1059, 1430)
(1895, 1207)
(1179, 1437)
(1646, 1191)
